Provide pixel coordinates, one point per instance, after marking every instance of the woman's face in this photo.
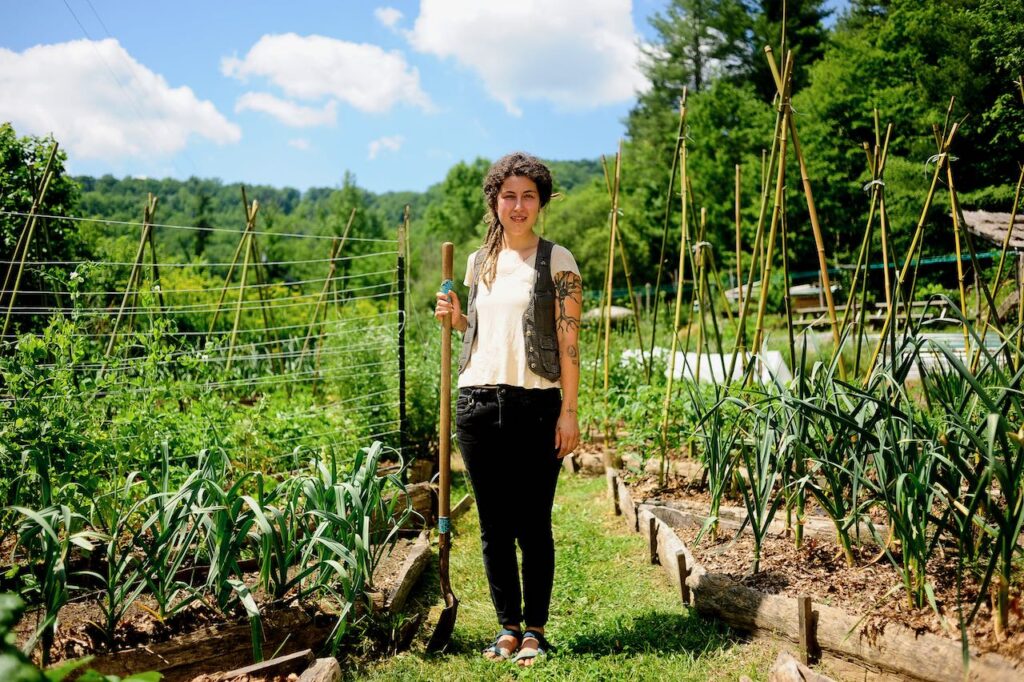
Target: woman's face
(518, 204)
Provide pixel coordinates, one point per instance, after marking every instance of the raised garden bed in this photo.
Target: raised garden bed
(809, 597)
(196, 642)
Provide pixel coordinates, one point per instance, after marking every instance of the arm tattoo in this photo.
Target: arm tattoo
(568, 285)
(574, 355)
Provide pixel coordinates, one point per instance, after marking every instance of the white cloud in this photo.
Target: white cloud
(300, 143)
(102, 104)
(313, 67)
(388, 16)
(574, 54)
(286, 112)
(390, 143)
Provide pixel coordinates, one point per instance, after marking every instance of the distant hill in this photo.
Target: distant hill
(211, 202)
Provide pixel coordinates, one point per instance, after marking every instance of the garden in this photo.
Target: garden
(800, 390)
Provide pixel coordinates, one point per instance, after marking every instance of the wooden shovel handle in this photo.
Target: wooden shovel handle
(444, 456)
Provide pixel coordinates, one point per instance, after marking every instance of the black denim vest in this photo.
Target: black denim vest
(538, 320)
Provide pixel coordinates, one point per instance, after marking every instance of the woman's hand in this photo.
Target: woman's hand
(567, 433)
(448, 304)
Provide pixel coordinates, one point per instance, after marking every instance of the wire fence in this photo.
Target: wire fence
(201, 354)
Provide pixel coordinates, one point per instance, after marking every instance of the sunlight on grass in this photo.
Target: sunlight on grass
(614, 616)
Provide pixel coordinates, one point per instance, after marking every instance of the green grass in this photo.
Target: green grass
(613, 615)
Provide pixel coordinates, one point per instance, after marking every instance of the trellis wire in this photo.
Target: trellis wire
(267, 285)
(196, 228)
(248, 305)
(227, 331)
(207, 356)
(324, 331)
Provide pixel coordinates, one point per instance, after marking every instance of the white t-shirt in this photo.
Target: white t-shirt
(499, 348)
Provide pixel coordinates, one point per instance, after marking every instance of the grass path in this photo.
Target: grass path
(614, 616)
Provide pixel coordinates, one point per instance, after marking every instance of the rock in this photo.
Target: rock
(788, 669)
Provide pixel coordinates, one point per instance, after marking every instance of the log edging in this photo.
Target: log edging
(895, 650)
(289, 630)
(412, 568)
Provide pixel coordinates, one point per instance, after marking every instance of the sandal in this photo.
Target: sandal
(529, 653)
(500, 652)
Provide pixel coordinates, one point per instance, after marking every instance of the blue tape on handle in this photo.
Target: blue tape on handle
(447, 286)
(444, 525)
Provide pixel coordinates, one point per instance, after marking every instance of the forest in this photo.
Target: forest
(913, 64)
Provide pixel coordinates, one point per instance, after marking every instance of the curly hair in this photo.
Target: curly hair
(510, 165)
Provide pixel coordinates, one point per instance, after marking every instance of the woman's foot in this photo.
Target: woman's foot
(533, 646)
(505, 644)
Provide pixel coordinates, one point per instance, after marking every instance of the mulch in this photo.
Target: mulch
(79, 633)
(872, 587)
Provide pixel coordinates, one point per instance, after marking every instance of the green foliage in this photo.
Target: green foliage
(615, 617)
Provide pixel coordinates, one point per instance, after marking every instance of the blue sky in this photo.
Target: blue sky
(295, 94)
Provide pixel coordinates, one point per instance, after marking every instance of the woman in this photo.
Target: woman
(518, 388)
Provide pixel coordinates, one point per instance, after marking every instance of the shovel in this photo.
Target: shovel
(446, 622)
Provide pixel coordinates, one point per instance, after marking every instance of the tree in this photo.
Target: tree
(908, 58)
(22, 162)
(458, 217)
(806, 36)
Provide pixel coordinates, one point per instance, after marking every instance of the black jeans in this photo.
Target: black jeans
(507, 439)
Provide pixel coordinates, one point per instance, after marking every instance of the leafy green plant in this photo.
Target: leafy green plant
(117, 516)
(761, 497)
(47, 536)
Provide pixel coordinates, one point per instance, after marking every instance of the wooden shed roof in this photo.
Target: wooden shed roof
(993, 226)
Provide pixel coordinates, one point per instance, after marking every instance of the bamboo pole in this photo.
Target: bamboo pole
(629, 287)
(599, 340)
(403, 420)
(336, 246)
(787, 298)
(711, 270)
(665, 223)
(267, 310)
(812, 211)
(960, 274)
(884, 219)
(155, 268)
(133, 276)
(739, 238)
(997, 280)
(680, 277)
(757, 247)
(780, 181)
(608, 456)
(231, 268)
(691, 250)
(876, 166)
(701, 282)
(25, 238)
(250, 225)
(975, 264)
(636, 309)
(915, 241)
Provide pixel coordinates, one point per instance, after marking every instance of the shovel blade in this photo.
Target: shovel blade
(445, 625)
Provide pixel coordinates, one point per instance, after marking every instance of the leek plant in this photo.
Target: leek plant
(720, 436)
(907, 462)
(226, 529)
(990, 462)
(282, 534)
(165, 541)
(761, 497)
(47, 537)
(832, 438)
(122, 579)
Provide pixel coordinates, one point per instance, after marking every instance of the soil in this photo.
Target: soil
(871, 587)
(79, 634)
(292, 677)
